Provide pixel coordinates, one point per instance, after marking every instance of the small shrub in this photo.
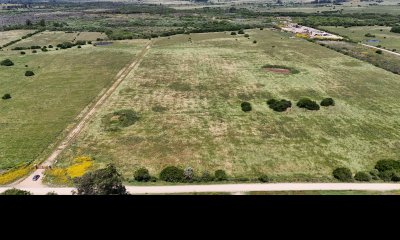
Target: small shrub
(220, 175)
(378, 51)
(23, 53)
(6, 96)
(241, 31)
(387, 164)
(51, 193)
(246, 35)
(369, 35)
(79, 46)
(387, 175)
(7, 62)
(374, 174)
(206, 177)
(29, 73)
(327, 102)
(343, 174)
(255, 41)
(172, 174)
(363, 177)
(279, 106)
(142, 175)
(246, 107)
(263, 178)
(307, 104)
(34, 51)
(15, 191)
(50, 46)
(261, 28)
(233, 33)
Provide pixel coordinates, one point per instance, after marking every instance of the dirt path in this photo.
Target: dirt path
(85, 117)
(384, 50)
(236, 188)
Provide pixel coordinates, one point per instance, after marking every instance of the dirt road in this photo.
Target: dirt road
(384, 50)
(86, 115)
(235, 188)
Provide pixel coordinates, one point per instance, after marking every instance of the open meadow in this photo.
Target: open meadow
(44, 105)
(182, 107)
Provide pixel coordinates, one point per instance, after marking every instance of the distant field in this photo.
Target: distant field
(188, 91)
(8, 36)
(384, 37)
(42, 106)
(54, 38)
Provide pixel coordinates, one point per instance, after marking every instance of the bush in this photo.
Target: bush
(279, 106)
(246, 35)
(388, 175)
(6, 62)
(363, 177)
(378, 51)
(387, 164)
(327, 102)
(15, 191)
(395, 29)
(374, 174)
(34, 51)
(51, 193)
(79, 46)
(23, 53)
(263, 178)
(369, 35)
(343, 174)
(255, 41)
(206, 177)
(241, 31)
(246, 106)
(233, 33)
(220, 175)
(50, 46)
(142, 175)
(6, 96)
(172, 174)
(29, 73)
(307, 104)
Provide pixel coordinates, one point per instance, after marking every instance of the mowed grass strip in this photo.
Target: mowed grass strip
(43, 105)
(188, 93)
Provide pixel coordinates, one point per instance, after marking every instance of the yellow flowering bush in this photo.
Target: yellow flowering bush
(57, 176)
(64, 176)
(14, 174)
(78, 169)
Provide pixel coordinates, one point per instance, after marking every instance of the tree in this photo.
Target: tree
(29, 73)
(387, 164)
(395, 29)
(307, 104)
(246, 106)
(172, 174)
(15, 191)
(220, 175)
(363, 177)
(279, 106)
(42, 23)
(6, 62)
(106, 181)
(6, 96)
(233, 33)
(327, 102)
(255, 41)
(343, 174)
(142, 175)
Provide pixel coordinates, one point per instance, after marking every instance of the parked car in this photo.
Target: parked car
(36, 177)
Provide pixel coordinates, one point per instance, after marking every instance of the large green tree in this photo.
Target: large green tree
(106, 181)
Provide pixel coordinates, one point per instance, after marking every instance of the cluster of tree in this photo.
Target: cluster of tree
(387, 170)
(395, 29)
(279, 105)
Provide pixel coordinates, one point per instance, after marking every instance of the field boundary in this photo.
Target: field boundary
(85, 115)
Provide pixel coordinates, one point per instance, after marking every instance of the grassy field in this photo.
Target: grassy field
(8, 36)
(385, 38)
(327, 193)
(188, 91)
(54, 38)
(43, 106)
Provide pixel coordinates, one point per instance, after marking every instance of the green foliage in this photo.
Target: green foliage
(206, 177)
(387, 164)
(172, 174)
(395, 29)
(279, 106)
(307, 104)
(263, 178)
(374, 174)
(343, 174)
(379, 51)
(15, 191)
(246, 35)
(23, 53)
(51, 193)
(233, 33)
(119, 119)
(241, 31)
(188, 174)
(327, 102)
(142, 175)
(29, 73)
(6, 96)
(220, 175)
(363, 177)
(246, 107)
(106, 181)
(388, 175)
(6, 62)
(255, 41)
